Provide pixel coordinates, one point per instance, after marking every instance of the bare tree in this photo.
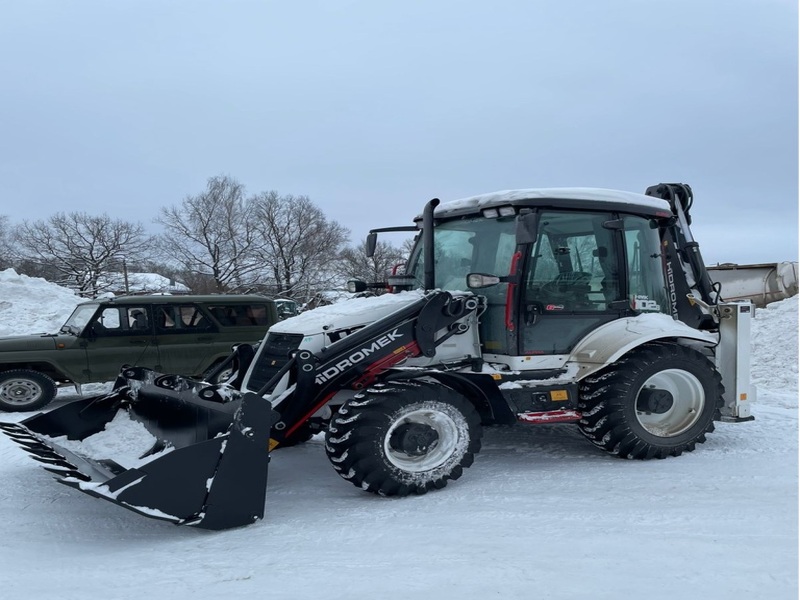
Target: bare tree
(300, 245)
(5, 243)
(356, 265)
(79, 247)
(213, 235)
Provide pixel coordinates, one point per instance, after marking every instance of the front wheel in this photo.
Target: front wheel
(399, 438)
(24, 390)
(659, 400)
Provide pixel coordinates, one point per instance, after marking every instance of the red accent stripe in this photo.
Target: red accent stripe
(379, 366)
(370, 374)
(510, 292)
(550, 416)
(319, 405)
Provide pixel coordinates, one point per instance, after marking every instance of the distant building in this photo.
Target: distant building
(141, 283)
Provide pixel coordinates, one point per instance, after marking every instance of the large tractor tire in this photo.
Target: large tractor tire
(399, 438)
(659, 400)
(25, 390)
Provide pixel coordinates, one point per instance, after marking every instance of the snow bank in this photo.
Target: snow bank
(774, 342)
(32, 304)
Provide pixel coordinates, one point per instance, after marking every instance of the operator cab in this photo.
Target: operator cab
(552, 264)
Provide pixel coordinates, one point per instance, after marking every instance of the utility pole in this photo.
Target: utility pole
(125, 275)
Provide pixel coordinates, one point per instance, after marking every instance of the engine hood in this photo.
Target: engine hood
(348, 314)
(28, 343)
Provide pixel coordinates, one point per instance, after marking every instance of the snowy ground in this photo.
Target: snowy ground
(540, 515)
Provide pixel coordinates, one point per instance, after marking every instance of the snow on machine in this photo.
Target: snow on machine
(581, 306)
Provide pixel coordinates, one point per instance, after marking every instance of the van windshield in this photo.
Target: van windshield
(79, 318)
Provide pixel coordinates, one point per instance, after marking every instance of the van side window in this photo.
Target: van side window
(240, 315)
(181, 318)
(122, 320)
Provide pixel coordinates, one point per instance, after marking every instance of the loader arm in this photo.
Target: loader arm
(357, 360)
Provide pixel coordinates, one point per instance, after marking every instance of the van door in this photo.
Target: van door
(185, 338)
(120, 335)
(240, 323)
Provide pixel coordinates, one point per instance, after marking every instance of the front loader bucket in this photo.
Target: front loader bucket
(205, 463)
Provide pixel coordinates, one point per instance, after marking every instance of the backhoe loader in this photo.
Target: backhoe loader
(581, 305)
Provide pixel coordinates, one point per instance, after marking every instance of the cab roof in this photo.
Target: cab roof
(578, 197)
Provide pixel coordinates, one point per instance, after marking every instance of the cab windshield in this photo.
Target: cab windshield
(463, 246)
(79, 318)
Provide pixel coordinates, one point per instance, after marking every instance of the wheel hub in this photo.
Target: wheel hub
(413, 439)
(422, 439)
(670, 402)
(654, 400)
(20, 391)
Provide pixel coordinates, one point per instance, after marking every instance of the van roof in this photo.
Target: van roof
(182, 299)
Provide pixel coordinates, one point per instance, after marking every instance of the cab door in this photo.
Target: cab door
(573, 280)
(120, 335)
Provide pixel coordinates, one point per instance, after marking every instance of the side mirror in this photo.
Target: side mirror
(372, 242)
(354, 286)
(476, 281)
(527, 227)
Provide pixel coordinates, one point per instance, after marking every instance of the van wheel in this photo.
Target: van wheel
(24, 390)
(221, 377)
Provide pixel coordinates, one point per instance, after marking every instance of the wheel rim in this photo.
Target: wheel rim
(224, 376)
(20, 391)
(437, 453)
(688, 400)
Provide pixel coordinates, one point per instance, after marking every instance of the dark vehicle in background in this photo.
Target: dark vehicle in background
(173, 334)
(286, 308)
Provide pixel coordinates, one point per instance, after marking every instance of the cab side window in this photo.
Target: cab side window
(573, 266)
(647, 287)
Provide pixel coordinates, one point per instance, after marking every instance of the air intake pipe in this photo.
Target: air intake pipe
(427, 244)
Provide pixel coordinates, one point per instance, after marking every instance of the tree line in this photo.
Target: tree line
(218, 241)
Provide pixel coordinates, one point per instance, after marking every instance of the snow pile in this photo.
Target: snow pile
(123, 440)
(774, 342)
(355, 309)
(32, 304)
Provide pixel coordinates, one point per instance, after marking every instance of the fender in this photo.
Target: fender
(606, 344)
(476, 387)
(57, 373)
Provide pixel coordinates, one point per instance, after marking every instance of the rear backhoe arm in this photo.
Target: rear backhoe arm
(686, 271)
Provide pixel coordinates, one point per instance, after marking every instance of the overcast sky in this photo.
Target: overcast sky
(372, 107)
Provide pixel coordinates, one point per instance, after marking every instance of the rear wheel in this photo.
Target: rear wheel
(659, 400)
(24, 390)
(400, 438)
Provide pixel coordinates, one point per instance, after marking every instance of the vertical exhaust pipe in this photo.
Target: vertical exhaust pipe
(427, 243)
